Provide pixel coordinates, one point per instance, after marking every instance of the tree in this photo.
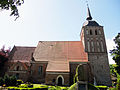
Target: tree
(11, 5)
(116, 53)
(3, 58)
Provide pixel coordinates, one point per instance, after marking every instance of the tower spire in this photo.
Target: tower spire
(89, 17)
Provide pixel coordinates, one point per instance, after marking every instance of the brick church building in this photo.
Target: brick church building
(56, 61)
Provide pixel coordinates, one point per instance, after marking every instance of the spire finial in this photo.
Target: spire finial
(89, 17)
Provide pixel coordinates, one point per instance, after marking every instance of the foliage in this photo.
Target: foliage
(116, 53)
(4, 54)
(114, 73)
(37, 87)
(118, 82)
(19, 82)
(1, 81)
(8, 80)
(116, 57)
(13, 81)
(75, 79)
(3, 58)
(72, 87)
(105, 87)
(112, 70)
(92, 87)
(11, 5)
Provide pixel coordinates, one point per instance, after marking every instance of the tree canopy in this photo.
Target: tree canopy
(3, 58)
(116, 53)
(11, 5)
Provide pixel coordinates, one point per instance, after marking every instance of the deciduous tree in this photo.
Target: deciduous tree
(3, 58)
(116, 53)
(11, 5)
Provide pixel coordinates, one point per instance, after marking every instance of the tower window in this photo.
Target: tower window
(88, 46)
(98, 46)
(96, 32)
(92, 44)
(90, 32)
(86, 31)
(99, 32)
(40, 70)
(102, 46)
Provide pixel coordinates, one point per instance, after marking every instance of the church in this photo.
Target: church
(56, 61)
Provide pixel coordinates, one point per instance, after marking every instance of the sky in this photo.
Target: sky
(57, 20)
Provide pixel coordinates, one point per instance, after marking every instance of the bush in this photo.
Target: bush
(7, 80)
(19, 82)
(13, 81)
(1, 81)
(113, 89)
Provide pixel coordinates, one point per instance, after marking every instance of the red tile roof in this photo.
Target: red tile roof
(59, 54)
(22, 54)
(58, 66)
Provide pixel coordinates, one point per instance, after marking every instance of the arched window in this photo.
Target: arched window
(96, 32)
(90, 32)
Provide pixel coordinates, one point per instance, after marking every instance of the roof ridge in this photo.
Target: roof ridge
(25, 46)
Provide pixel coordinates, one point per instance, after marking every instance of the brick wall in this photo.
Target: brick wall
(100, 68)
(39, 78)
(51, 76)
(11, 70)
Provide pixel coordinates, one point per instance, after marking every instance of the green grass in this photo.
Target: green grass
(47, 87)
(37, 87)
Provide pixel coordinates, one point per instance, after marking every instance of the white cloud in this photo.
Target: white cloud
(110, 45)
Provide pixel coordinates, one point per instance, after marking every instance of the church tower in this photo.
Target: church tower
(93, 39)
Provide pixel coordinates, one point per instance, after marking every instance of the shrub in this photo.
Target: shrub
(1, 81)
(19, 82)
(13, 81)
(7, 80)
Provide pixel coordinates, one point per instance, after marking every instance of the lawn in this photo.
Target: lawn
(37, 87)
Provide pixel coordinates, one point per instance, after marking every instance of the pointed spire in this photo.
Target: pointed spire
(89, 17)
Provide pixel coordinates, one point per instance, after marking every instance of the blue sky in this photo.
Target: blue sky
(57, 20)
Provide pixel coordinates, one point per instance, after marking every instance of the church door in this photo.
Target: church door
(59, 81)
